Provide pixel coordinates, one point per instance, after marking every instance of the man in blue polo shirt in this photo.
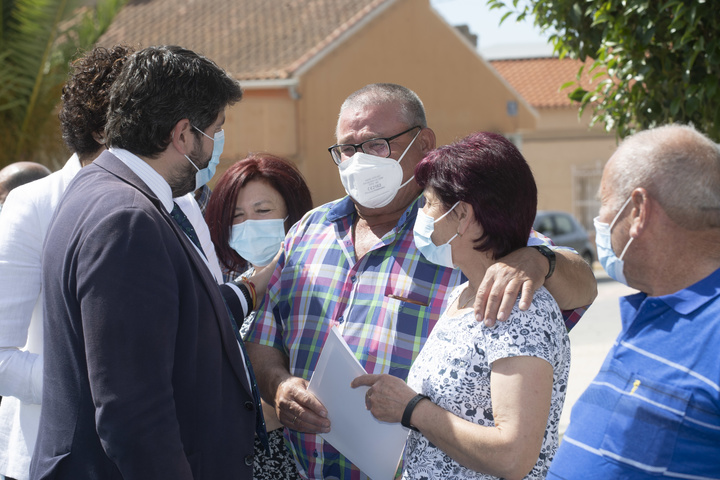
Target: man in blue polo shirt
(654, 408)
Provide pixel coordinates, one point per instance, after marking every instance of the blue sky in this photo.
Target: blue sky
(485, 23)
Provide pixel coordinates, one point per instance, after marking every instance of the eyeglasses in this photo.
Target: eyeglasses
(375, 146)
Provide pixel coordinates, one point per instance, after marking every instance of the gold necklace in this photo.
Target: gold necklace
(472, 297)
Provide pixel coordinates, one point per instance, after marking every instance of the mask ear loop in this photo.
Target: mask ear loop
(447, 213)
(208, 136)
(409, 145)
(622, 209)
(461, 218)
(452, 238)
(409, 180)
(172, 136)
(403, 156)
(440, 218)
(192, 163)
(443, 216)
(625, 249)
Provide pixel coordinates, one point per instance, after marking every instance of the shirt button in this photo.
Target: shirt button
(340, 320)
(248, 460)
(353, 279)
(249, 405)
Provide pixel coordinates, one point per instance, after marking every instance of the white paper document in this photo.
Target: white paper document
(373, 446)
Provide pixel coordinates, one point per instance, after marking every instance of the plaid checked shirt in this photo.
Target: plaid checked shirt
(202, 197)
(385, 305)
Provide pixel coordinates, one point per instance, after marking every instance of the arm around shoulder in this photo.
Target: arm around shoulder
(573, 283)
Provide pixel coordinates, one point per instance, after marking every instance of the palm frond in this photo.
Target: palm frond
(38, 38)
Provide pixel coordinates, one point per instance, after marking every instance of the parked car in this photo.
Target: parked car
(563, 229)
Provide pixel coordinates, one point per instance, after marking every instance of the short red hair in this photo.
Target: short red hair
(279, 173)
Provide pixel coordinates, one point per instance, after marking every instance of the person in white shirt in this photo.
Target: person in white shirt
(23, 224)
(20, 173)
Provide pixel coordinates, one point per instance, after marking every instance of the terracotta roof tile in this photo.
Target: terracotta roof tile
(538, 80)
(251, 39)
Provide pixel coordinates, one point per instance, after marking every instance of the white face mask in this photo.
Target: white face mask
(373, 181)
(423, 230)
(258, 241)
(606, 255)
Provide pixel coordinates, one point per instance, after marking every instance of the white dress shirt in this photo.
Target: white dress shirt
(190, 207)
(187, 204)
(24, 221)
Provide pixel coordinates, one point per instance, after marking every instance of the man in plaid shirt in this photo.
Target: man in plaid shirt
(353, 264)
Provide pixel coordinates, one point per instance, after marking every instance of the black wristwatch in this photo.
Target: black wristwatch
(405, 421)
(549, 254)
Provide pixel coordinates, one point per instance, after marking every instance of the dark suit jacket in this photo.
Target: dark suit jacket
(143, 378)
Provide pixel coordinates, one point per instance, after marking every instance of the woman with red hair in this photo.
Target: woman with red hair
(253, 191)
(253, 205)
(480, 402)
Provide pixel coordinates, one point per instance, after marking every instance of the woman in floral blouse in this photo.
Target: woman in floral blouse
(481, 402)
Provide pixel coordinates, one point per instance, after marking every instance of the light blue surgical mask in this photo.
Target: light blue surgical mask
(612, 264)
(258, 241)
(423, 230)
(203, 176)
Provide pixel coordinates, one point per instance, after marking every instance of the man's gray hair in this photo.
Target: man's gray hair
(679, 167)
(411, 107)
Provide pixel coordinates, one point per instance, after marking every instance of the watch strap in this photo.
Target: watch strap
(405, 422)
(550, 255)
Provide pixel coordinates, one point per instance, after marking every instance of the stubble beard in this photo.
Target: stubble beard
(183, 182)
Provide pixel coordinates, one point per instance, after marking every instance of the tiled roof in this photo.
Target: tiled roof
(538, 80)
(251, 39)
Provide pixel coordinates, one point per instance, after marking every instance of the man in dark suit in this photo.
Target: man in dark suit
(143, 375)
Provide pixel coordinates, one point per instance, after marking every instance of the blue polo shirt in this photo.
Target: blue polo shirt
(653, 410)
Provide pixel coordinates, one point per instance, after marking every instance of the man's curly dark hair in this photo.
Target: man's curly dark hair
(85, 96)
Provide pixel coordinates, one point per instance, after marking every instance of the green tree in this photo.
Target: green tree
(38, 39)
(655, 61)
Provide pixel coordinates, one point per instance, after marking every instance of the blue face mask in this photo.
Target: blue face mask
(423, 230)
(258, 241)
(606, 255)
(203, 176)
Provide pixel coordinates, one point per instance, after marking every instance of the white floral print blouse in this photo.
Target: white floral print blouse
(454, 366)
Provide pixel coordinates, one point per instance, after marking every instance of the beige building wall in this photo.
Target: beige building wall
(562, 151)
(265, 120)
(406, 43)
(412, 46)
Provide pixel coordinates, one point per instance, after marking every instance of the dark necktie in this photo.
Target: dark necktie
(181, 219)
